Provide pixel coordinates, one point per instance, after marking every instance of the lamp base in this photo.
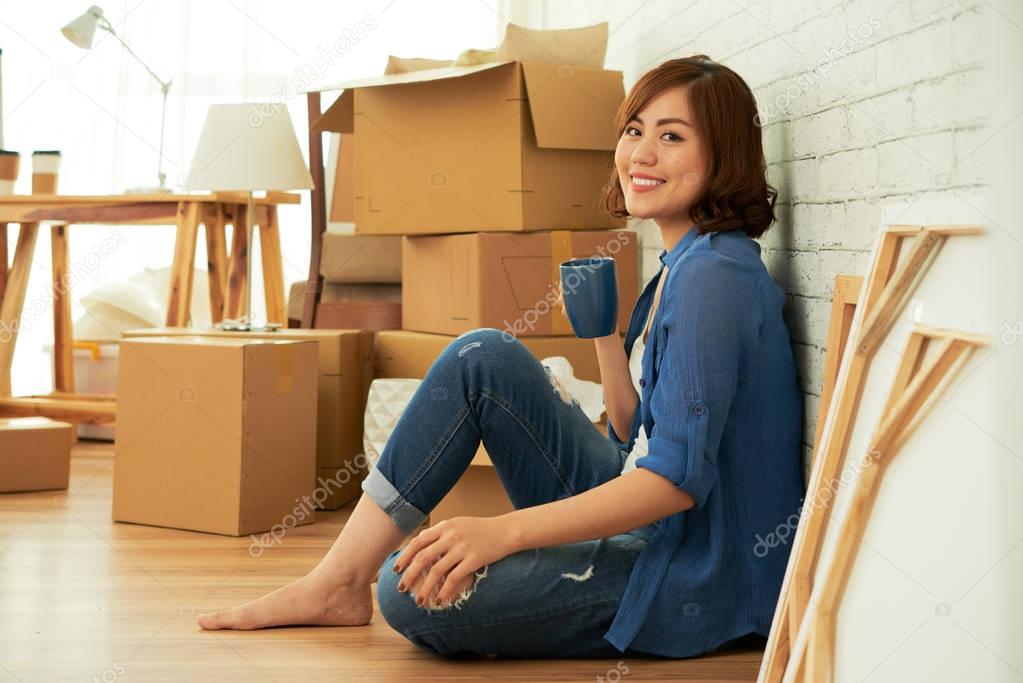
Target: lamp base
(244, 326)
(148, 190)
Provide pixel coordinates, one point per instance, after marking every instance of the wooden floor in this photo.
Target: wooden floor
(83, 598)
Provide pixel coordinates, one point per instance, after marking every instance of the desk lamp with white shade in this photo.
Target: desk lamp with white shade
(248, 147)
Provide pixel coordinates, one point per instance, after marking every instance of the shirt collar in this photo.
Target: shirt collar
(668, 258)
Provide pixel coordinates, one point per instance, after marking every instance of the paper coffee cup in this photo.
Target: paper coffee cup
(45, 167)
(9, 162)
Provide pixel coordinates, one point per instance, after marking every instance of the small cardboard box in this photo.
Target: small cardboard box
(35, 454)
(215, 435)
(370, 306)
(455, 283)
(497, 146)
(361, 259)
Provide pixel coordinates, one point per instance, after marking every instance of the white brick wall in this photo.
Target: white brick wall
(866, 104)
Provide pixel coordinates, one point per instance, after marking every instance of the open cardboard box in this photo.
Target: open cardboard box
(499, 146)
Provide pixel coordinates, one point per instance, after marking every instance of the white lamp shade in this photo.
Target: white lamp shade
(248, 147)
(81, 30)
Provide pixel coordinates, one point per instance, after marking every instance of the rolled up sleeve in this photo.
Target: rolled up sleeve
(708, 333)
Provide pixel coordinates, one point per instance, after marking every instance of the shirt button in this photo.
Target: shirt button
(698, 409)
(642, 382)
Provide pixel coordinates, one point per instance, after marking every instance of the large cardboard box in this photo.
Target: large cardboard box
(345, 359)
(490, 147)
(35, 454)
(455, 283)
(404, 353)
(215, 435)
(479, 493)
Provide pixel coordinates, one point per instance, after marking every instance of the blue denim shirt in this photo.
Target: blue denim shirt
(723, 410)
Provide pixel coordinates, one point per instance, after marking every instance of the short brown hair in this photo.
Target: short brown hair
(737, 194)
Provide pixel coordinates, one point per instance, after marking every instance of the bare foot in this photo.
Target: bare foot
(308, 601)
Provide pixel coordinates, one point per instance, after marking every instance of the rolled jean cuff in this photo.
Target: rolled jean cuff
(404, 514)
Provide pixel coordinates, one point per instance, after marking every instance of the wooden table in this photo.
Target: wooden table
(228, 279)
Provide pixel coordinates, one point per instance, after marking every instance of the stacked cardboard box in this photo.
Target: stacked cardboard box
(492, 175)
(361, 284)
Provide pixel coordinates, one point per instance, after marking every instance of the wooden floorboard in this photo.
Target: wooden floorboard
(83, 598)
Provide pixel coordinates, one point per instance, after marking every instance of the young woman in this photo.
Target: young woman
(645, 541)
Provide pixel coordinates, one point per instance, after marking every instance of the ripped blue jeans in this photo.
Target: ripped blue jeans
(547, 602)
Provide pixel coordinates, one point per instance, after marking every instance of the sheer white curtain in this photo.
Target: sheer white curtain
(101, 109)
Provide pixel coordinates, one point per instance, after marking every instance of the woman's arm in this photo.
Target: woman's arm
(620, 397)
(627, 502)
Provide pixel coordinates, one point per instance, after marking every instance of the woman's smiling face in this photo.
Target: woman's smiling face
(660, 158)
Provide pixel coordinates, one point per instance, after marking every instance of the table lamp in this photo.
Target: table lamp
(248, 147)
(80, 31)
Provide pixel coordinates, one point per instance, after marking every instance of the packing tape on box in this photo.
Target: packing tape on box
(285, 367)
(561, 251)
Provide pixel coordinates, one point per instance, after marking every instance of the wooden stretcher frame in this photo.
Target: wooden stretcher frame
(843, 310)
(886, 290)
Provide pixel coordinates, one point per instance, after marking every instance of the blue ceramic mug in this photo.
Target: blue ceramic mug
(590, 291)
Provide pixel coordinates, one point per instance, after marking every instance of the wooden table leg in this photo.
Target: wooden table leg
(14, 301)
(318, 200)
(63, 367)
(216, 259)
(237, 276)
(183, 268)
(273, 269)
(3, 259)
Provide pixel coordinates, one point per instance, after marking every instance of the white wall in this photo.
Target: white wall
(866, 104)
(884, 111)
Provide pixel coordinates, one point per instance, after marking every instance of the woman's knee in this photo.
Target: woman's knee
(401, 612)
(482, 338)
